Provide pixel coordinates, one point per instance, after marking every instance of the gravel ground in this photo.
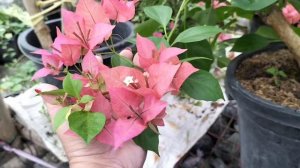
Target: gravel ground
(219, 147)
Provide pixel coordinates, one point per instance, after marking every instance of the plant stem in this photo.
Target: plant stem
(42, 4)
(55, 5)
(285, 32)
(182, 6)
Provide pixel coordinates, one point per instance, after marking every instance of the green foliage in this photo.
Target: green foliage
(72, 87)
(161, 14)
(276, 75)
(148, 140)
(251, 42)
(267, 32)
(199, 49)
(147, 28)
(202, 86)
(85, 99)
(16, 82)
(118, 60)
(10, 27)
(61, 116)
(198, 33)
(86, 124)
(252, 5)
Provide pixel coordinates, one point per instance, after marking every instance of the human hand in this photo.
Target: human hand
(95, 154)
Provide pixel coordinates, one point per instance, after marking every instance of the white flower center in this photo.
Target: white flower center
(128, 80)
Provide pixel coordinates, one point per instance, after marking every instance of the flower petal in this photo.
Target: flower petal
(145, 49)
(120, 131)
(185, 70)
(100, 32)
(170, 54)
(41, 73)
(101, 104)
(161, 76)
(92, 12)
(70, 54)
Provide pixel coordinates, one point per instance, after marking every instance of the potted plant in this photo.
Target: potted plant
(29, 42)
(265, 82)
(123, 102)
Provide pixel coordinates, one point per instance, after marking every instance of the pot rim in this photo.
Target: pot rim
(234, 86)
(30, 47)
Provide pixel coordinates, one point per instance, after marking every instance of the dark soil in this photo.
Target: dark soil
(253, 76)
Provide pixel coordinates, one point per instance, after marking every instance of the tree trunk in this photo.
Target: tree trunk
(41, 29)
(285, 32)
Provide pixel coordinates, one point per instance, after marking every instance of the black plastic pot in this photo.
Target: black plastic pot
(29, 43)
(270, 133)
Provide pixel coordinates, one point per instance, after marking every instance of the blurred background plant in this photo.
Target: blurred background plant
(18, 78)
(217, 14)
(13, 20)
(17, 71)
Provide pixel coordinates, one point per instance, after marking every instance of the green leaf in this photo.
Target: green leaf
(267, 32)
(118, 60)
(208, 17)
(194, 58)
(223, 61)
(71, 86)
(58, 92)
(147, 28)
(252, 5)
(85, 99)
(148, 140)
(196, 48)
(87, 124)
(202, 85)
(60, 117)
(197, 33)
(250, 42)
(161, 14)
(272, 71)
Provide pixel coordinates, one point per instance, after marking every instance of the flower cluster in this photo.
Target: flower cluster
(128, 97)
(291, 14)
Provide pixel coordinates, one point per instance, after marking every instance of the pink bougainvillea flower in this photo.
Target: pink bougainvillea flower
(70, 54)
(291, 14)
(158, 34)
(201, 4)
(91, 68)
(148, 54)
(124, 77)
(161, 76)
(92, 13)
(119, 131)
(127, 53)
(133, 112)
(136, 59)
(184, 71)
(75, 28)
(52, 64)
(129, 104)
(223, 37)
(119, 10)
(62, 39)
(102, 104)
(172, 25)
(217, 4)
